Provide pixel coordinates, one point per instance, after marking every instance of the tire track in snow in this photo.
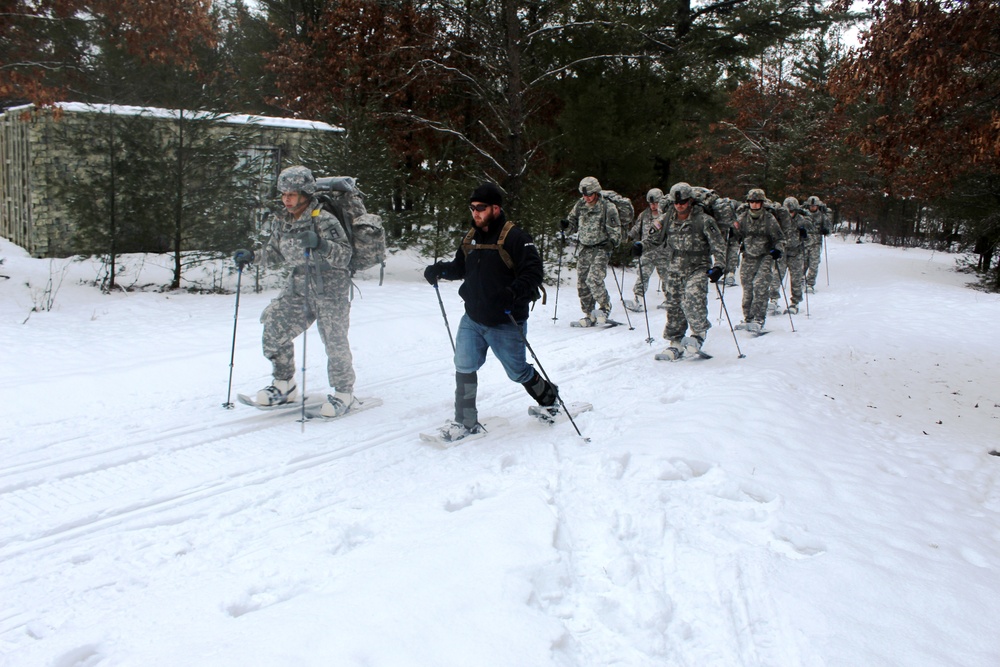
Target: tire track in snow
(47, 515)
(135, 450)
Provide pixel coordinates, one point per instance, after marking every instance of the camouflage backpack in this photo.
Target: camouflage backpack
(340, 196)
(719, 208)
(626, 212)
(780, 214)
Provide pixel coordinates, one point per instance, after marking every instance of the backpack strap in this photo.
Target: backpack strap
(468, 246)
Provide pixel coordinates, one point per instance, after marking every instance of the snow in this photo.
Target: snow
(234, 119)
(828, 500)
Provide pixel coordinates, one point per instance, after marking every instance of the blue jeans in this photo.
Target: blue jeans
(507, 343)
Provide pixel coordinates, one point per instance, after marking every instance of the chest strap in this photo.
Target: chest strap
(468, 246)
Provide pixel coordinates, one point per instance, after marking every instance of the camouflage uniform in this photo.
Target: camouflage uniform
(724, 212)
(328, 288)
(598, 233)
(759, 234)
(821, 220)
(654, 257)
(692, 243)
(792, 229)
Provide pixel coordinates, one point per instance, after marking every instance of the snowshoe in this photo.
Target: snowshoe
(672, 352)
(338, 405)
(636, 306)
(692, 347)
(278, 392)
(551, 414)
(329, 411)
(455, 431)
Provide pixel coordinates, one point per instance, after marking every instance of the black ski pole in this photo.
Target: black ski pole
(445, 316)
(305, 335)
(645, 310)
(545, 375)
(781, 284)
(826, 261)
(725, 273)
(731, 330)
(562, 249)
(805, 293)
(621, 296)
(242, 258)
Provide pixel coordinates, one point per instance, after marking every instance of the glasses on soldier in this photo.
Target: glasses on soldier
(478, 208)
(683, 202)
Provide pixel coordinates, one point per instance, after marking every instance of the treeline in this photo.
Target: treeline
(899, 135)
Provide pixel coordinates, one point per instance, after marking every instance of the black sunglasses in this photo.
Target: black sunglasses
(479, 208)
(682, 202)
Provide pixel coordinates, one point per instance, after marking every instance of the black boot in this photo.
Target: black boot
(540, 389)
(466, 386)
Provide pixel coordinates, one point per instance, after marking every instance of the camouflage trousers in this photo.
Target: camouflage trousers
(792, 262)
(756, 274)
(732, 255)
(649, 262)
(285, 318)
(814, 252)
(592, 269)
(687, 302)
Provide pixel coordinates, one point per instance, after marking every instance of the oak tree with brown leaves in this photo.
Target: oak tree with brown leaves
(925, 84)
(49, 48)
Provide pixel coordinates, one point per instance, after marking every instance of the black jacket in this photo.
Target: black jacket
(487, 277)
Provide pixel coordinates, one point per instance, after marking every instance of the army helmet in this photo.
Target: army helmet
(791, 203)
(297, 179)
(814, 201)
(680, 192)
(654, 196)
(589, 185)
(756, 194)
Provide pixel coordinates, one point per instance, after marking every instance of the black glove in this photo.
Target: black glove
(242, 257)
(775, 253)
(803, 234)
(826, 231)
(309, 240)
(433, 273)
(715, 273)
(564, 224)
(637, 249)
(509, 298)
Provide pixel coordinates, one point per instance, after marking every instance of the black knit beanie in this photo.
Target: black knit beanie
(487, 193)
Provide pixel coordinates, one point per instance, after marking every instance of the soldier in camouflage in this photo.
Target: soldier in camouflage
(794, 229)
(313, 244)
(821, 220)
(724, 212)
(651, 256)
(763, 244)
(595, 221)
(697, 254)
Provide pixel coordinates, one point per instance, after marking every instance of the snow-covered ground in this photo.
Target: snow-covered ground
(828, 500)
